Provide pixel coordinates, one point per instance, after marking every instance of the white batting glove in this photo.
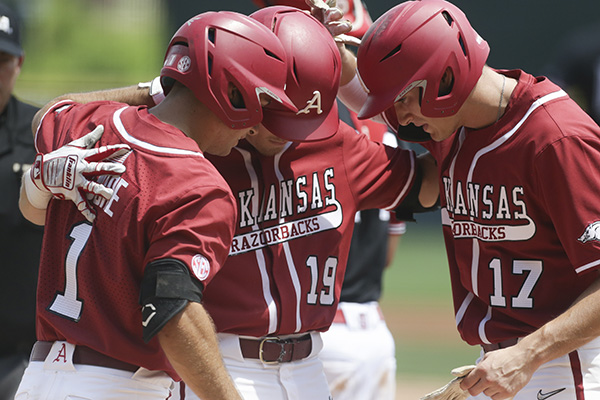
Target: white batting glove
(65, 173)
(332, 18)
(452, 390)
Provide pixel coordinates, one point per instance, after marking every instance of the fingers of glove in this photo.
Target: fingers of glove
(89, 140)
(462, 371)
(451, 391)
(97, 189)
(347, 39)
(340, 27)
(102, 168)
(104, 152)
(84, 207)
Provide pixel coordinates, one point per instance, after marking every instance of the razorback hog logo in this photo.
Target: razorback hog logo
(592, 232)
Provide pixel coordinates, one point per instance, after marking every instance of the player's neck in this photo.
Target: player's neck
(488, 100)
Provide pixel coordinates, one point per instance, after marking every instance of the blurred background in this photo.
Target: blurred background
(84, 45)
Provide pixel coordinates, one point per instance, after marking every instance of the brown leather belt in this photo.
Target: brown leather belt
(502, 345)
(82, 355)
(272, 350)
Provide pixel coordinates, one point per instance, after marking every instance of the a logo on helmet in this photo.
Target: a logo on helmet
(314, 102)
(592, 232)
(184, 64)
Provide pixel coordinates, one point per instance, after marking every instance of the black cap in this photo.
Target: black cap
(10, 37)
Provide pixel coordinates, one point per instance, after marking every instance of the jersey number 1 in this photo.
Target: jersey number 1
(67, 304)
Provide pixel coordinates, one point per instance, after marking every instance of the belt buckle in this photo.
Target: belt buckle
(271, 340)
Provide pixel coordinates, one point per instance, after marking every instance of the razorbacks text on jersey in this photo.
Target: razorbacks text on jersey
(296, 215)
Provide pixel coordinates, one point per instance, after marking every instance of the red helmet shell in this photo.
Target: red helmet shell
(412, 45)
(313, 75)
(214, 49)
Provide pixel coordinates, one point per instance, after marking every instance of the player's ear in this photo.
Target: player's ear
(446, 83)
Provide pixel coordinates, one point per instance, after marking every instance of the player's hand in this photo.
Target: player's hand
(66, 173)
(452, 390)
(332, 18)
(502, 373)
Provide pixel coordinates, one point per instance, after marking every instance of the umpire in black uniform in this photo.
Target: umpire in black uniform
(20, 241)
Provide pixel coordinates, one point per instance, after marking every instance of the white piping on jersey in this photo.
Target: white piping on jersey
(587, 266)
(475, 256)
(260, 257)
(158, 149)
(286, 247)
(484, 321)
(463, 307)
(406, 186)
(51, 109)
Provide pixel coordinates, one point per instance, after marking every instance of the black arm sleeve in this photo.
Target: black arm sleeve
(166, 288)
(411, 205)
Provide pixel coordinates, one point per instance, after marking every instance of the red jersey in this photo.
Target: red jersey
(296, 216)
(520, 212)
(170, 203)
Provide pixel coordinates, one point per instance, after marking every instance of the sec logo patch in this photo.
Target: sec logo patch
(200, 266)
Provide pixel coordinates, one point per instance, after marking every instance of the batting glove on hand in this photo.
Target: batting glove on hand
(452, 390)
(331, 17)
(66, 172)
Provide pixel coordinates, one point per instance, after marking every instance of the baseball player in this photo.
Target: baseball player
(118, 305)
(297, 203)
(518, 162)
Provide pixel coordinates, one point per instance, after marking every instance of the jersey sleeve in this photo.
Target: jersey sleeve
(568, 171)
(197, 230)
(381, 176)
(66, 121)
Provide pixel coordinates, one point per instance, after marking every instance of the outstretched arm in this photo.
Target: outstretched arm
(134, 95)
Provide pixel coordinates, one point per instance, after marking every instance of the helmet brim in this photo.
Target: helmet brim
(301, 128)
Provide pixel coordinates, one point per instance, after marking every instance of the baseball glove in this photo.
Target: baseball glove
(452, 390)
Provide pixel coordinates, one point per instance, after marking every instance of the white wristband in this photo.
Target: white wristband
(154, 89)
(353, 94)
(38, 198)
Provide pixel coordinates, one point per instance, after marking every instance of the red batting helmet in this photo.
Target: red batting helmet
(313, 75)
(214, 49)
(413, 44)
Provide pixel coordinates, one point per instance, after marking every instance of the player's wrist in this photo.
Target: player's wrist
(37, 194)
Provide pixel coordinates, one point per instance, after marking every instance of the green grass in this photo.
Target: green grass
(417, 292)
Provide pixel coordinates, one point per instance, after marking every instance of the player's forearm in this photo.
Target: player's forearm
(132, 95)
(569, 331)
(190, 343)
(348, 65)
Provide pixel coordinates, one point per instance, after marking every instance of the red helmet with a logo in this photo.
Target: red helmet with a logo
(313, 75)
(412, 45)
(214, 49)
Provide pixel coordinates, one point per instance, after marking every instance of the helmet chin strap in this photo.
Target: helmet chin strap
(412, 133)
